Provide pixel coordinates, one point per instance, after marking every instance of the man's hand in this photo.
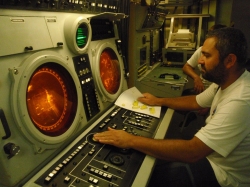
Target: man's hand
(149, 99)
(198, 85)
(118, 138)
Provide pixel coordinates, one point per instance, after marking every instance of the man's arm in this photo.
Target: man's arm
(198, 84)
(177, 103)
(171, 150)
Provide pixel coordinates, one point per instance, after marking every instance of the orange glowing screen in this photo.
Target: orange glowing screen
(51, 99)
(110, 71)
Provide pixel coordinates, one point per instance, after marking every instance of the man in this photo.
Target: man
(200, 84)
(225, 139)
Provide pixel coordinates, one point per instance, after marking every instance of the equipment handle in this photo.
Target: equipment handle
(5, 125)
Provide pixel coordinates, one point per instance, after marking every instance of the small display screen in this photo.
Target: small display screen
(51, 99)
(110, 71)
(174, 56)
(82, 36)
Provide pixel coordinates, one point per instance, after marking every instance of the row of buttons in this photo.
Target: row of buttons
(84, 71)
(136, 124)
(108, 119)
(115, 112)
(104, 123)
(100, 173)
(142, 115)
(88, 103)
(87, 80)
(57, 169)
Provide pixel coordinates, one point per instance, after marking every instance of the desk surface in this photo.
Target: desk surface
(143, 175)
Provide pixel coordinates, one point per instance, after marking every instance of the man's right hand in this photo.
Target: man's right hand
(148, 99)
(198, 85)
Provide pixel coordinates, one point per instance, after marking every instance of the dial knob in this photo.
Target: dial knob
(11, 149)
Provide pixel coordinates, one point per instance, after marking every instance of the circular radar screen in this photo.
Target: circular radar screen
(110, 71)
(51, 99)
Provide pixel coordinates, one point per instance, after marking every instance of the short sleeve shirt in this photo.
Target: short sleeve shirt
(227, 131)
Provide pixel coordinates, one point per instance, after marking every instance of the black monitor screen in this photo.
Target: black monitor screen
(174, 56)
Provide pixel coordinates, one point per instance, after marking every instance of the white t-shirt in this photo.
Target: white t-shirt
(227, 131)
(193, 61)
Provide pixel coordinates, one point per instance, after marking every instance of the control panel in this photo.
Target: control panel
(89, 92)
(90, 163)
(62, 5)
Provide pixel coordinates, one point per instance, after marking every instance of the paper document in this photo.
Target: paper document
(128, 100)
(183, 31)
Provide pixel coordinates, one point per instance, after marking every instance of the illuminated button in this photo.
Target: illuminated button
(102, 125)
(125, 128)
(67, 179)
(105, 167)
(105, 174)
(96, 171)
(51, 175)
(113, 114)
(47, 179)
(114, 126)
(91, 152)
(107, 120)
(80, 147)
(95, 181)
(109, 177)
(91, 179)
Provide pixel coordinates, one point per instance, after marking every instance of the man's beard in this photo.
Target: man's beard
(216, 75)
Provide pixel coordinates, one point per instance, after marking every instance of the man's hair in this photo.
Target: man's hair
(230, 41)
(217, 26)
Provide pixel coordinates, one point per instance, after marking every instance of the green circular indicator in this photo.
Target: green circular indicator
(82, 36)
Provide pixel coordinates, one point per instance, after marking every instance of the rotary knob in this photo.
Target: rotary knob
(117, 160)
(11, 149)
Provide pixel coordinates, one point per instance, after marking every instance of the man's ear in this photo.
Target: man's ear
(230, 60)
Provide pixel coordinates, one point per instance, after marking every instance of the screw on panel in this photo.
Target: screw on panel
(16, 71)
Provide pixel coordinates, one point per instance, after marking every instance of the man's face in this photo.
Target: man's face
(211, 68)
